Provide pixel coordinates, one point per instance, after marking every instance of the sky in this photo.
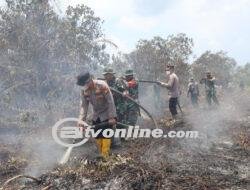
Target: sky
(213, 24)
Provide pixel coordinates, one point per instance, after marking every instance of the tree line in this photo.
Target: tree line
(42, 51)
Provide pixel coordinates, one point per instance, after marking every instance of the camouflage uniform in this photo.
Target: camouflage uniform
(120, 102)
(210, 89)
(132, 110)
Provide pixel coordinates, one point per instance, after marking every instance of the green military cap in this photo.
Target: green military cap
(108, 71)
(129, 72)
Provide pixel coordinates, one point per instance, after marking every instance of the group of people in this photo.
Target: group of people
(210, 90)
(127, 111)
(111, 99)
(109, 102)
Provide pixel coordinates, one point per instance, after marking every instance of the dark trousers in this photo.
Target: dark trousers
(132, 114)
(194, 99)
(211, 96)
(173, 106)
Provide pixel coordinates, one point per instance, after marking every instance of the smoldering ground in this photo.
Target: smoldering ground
(217, 126)
(28, 129)
(169, 163)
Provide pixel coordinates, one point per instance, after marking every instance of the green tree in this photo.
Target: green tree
(151, 56)
(219, 64)
(42, 52)
(242, 74)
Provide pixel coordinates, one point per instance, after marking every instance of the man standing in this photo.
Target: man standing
(119, 85)
(120, 103)
(174, 90)
(132, 90)
(98, 94)
(209, 82)
(193, 92)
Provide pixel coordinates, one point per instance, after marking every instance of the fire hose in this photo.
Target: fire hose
(66, 156)
(67, 153)
(132, 100)
(158, 83)
(146, 81)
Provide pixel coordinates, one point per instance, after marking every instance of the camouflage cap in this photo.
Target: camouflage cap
(108, 71)
(129, 72)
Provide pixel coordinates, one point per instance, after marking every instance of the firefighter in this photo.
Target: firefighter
(174, 90)
(98, 94)
(209, 82)
(132, 90)
(193, 92)
(119, 85)
(120, 103)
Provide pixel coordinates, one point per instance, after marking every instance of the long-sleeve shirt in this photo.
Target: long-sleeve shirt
(120, 101)
(209, 84)
(173, 86)
(193, 88)
(133, 89)
(133, 92)
(101, 99)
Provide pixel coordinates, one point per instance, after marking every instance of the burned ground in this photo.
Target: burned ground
(216, 163)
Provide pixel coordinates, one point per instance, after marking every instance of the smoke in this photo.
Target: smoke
(33, 146)
(213, 123)
(43, 152)
(154, 98)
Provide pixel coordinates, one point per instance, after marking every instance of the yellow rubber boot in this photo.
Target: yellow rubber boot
(99, 145)
(105, 148)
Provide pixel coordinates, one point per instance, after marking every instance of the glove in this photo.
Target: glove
(81, 126)
(132, 84)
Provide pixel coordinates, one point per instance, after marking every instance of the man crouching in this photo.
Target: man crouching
(98, 94)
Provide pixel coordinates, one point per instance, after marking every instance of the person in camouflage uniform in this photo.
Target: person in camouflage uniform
(119, 85)
(209, 82)
(132, 90)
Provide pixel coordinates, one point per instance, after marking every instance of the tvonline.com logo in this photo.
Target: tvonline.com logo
(67, 133)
